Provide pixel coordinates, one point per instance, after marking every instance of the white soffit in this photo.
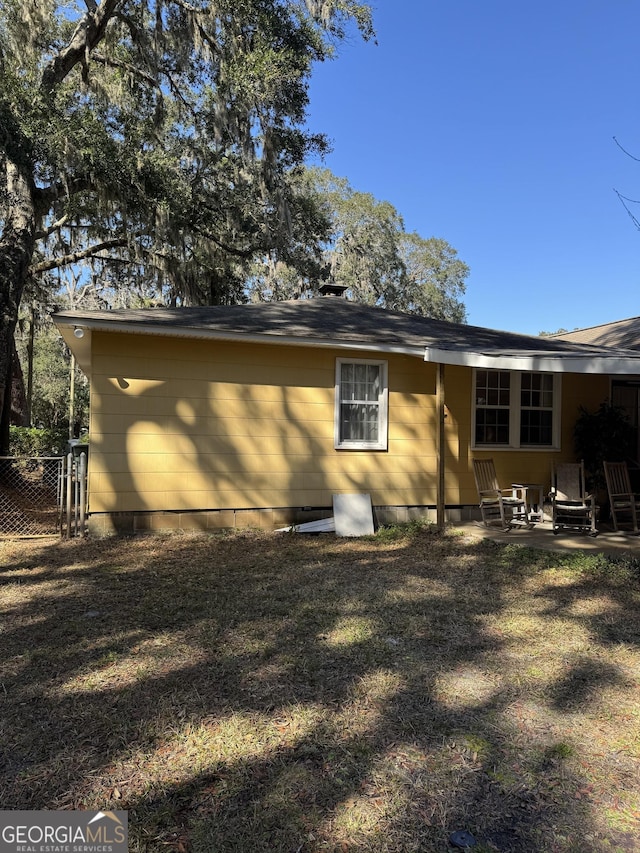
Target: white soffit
(549, 362)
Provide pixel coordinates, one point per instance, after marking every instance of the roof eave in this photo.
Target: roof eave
(81, 346)
(547, 362)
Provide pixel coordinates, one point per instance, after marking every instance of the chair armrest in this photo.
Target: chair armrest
(520, 489)
(489, 493)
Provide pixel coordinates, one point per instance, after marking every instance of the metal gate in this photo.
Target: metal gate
(43, 495)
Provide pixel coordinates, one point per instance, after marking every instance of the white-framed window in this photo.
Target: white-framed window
(361, 405)
(513, 409)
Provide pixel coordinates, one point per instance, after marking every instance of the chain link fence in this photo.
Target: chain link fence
(42, 496)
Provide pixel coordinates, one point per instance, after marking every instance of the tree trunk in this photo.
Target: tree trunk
(19, 407)
(5, 414)
(16, 250)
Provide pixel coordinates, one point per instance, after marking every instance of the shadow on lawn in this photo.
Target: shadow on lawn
(290, 694)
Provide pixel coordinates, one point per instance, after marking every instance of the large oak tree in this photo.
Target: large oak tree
(158, 140)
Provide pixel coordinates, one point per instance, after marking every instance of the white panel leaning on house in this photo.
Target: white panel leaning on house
(353, 515)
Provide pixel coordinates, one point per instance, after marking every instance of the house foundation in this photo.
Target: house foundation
(102, 525)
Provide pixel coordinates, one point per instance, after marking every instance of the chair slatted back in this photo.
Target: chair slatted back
(485, 474)
(617, 477)
(568, 478)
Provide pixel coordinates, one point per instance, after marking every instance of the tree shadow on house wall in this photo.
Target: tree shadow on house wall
(256, 435)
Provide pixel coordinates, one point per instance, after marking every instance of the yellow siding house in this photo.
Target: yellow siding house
(256, 415)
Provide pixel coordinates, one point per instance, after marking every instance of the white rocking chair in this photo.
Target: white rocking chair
(505, 507)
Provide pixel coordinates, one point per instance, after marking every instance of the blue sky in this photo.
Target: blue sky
(491, 124)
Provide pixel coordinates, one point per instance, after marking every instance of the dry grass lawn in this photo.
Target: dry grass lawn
(255, 692)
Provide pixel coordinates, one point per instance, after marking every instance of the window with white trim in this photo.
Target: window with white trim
(361, 404)
(516, 410)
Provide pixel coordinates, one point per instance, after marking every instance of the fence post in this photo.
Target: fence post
(60, 496)
(76, 494)
(69, 492)
(83, 492)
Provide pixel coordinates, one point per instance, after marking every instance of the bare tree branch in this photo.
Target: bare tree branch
(637, 159)
(86, 36)
(74, 257)
(45, 197)
(238, 253)
(623, 202)
(49, 230)
(126, 66)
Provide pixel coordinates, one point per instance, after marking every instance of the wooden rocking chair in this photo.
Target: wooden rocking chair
(506, 507)
(571, 506)
(622, 501)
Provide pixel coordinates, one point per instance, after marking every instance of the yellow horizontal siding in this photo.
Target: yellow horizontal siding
(254, 425)
(181, 424)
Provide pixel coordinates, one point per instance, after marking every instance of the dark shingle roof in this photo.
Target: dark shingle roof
(328, 318)
(337, 322)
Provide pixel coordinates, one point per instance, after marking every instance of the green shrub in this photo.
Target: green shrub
(28, 441)
(606, 434)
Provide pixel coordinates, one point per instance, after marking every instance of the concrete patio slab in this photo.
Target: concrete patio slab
(541, 536)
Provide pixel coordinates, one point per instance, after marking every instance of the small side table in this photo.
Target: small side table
(535, 507)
